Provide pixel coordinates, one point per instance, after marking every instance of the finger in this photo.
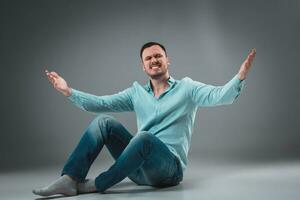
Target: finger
(55, 74)
(251, 55)
(49, 76)
(250, 61)
(52, 76)
(51, 80)
(47, 72)
(253, 52)
(247, 64)
(250, 58)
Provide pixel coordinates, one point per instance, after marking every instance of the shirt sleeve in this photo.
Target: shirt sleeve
(208, 95)
(119, 102)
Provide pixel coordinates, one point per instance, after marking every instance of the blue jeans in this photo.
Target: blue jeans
(143, 158)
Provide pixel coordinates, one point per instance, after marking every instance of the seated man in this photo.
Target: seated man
(165, 109)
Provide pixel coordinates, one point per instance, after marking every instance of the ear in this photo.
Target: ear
(142, 65)
(168, 61)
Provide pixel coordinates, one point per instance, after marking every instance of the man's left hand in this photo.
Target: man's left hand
(245, 67)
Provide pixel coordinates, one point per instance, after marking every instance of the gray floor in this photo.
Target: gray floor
(202, 180)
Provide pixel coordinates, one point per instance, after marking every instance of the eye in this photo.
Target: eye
(158, 56)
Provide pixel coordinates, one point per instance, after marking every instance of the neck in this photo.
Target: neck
(159, 84)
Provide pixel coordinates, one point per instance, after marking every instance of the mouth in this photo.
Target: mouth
(155, 66)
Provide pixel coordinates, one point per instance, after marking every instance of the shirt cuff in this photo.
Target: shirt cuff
(73, 95)
(238, 82)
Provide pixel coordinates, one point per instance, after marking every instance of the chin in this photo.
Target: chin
(157, 76)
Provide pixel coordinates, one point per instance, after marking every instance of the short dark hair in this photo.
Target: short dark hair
(150, 44)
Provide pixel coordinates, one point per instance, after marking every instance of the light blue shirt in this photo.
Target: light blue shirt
(171, 116)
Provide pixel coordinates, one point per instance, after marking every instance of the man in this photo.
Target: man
(165, 110)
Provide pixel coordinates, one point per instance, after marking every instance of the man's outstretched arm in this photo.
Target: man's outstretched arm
(209, 95)
(88, 102)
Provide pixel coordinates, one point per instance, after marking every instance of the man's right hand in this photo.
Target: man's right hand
(58, 83)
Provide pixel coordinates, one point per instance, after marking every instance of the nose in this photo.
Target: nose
(153, 60)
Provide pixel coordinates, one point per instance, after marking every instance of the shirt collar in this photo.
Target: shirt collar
(171, 82)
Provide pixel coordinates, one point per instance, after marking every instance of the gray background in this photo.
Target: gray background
(94, 45)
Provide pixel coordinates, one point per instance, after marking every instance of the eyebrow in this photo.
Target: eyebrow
(156, 54)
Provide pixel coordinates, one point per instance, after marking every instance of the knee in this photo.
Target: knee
(105, 120)
(102, 125)
(144, 141)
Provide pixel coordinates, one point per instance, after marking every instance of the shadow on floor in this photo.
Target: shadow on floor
(127, 187)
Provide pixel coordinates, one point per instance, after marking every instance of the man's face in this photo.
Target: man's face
(154, 62)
